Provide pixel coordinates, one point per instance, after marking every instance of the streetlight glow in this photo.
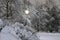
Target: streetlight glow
(26, 11)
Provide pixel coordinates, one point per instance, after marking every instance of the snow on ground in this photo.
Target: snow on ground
(7, 36)
(48, 36)
(17, 31)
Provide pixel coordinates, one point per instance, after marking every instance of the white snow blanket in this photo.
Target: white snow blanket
(48, 36)
(8, 36)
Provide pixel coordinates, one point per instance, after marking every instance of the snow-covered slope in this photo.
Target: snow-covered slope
(17, 31)
(7, 36)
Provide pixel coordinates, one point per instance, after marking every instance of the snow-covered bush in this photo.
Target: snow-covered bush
(18, 31)
(2, 24)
